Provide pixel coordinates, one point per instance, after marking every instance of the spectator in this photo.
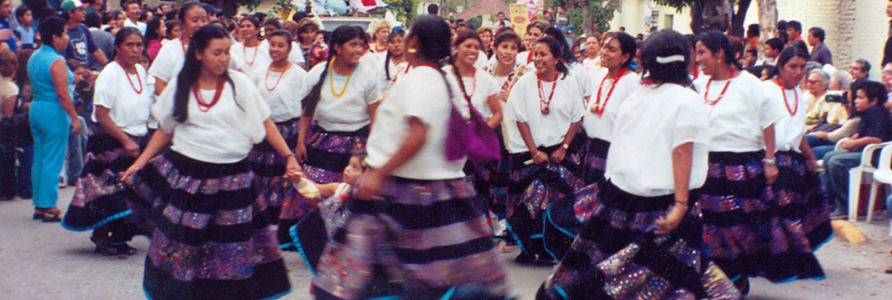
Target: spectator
(794, 31)
(270, 25)
(860, 70)
(52, 116)
(749, 58)
(500, 20)
(24, 32)
(174, 30)
(112, 21)
(818, 110)
(433, 9)
(875, 127)
(26, 155)
(562, 20)
(823, 142)
(8, 95)
(752, 36)
(298, 16)
(83, 105)
(782, 31)
(306, 35)
(155, 32)
(105, 41)
(887, 50)
(93, 6)
(9, 91)
(131, 9)
(819, 52)
(80, 43)
(6, 34)
(773, 47)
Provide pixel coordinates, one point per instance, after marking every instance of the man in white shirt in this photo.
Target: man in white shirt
(131, 9)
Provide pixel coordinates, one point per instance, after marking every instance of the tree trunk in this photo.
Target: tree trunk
(737, 26)
(767, 21)
(587, 19)
(697, 26)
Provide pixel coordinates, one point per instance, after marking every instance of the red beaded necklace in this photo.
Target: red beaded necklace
(202, 105)
(722, 94)
(787, 104)
(543, 103)
(139, 80)
(245, 55)
(598, 109)
(266, 79)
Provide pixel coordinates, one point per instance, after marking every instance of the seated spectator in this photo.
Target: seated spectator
(7, 39)
(875, 127)
(823, 142)
(818, 110)
(887, 82)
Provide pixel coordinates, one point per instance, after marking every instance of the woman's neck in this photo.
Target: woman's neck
(306, 44)
(129, 68)
(186, 38)
(380, 43)
(612, 72)
(252, 42)
(397, 59)
(208, 80)
(465, 69)
(279, 64)
(342, 68)
(503, 69)
(547, 75)
(787, 84)
(591, 56)
(724, 72)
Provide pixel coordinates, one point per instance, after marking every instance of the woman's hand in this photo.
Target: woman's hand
(138, 165)
(503, 95)
(558, 155)
(300, 152)
(672, 219)
(370, 187)
(131, 148)
(540, 158)
(813, 165)
(771, 172)
(76, 126)
(291, 166)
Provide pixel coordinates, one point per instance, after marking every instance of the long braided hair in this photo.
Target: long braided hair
(433, 42)
(340, 36)
(461, 38)
(397, 32)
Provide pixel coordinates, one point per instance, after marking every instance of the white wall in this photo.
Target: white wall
(634, 12)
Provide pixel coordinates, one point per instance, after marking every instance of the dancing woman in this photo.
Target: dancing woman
(411, 192)
(170, 58)
(249, 56)
(394, 63)
(642, 241)
(338, 113)
(548, 111)
(213, 239)
(280, 83)
(121, 114)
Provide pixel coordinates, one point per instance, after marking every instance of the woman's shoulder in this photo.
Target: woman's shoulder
(317, 69)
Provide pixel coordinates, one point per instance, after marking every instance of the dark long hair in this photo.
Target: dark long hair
(665, 44)
(566, 51)
(397, 31)
(718, 42)
(555, 47)
(459, 39)
(192, 69)
(152, 29)
(433, 42)
(181, 13)
(340, 36)
(627, 45)
(784, 57)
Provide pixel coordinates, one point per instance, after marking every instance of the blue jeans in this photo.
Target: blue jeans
(50, 126)
(820, 151)
(836, 177)
(814, 141)
(77, 146)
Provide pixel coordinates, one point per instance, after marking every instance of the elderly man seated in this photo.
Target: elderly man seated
(819, 110)
(875, 127)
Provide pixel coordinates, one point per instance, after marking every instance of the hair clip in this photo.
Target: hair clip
(670, 59)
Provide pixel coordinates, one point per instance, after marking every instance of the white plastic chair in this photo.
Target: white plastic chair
(856, 175)
(883, 175)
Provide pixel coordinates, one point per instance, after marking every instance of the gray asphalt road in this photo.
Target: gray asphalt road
(45, 261)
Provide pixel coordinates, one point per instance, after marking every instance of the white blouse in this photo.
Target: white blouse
(350, 112)
(283, 92)
(549, 129)
(127, 108)
(422, 94)
(394, 70)
(250, 59)
(736, 121)
(789, 130)
(592, 65)
(651, 123)
(480, 87)
(583, 79)
(602, 127)
(170, 60)
(223, 134)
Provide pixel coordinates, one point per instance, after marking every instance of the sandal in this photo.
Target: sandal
(125, 249)
(889, 270)
(52, 215)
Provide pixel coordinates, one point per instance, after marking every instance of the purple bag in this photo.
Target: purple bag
(474, 139)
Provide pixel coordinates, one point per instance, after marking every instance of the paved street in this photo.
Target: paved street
(45, 261)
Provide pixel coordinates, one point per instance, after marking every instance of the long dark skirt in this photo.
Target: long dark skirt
(213, 239)
(595, 160)
(753, 229)
(491, 183)
(419, 240)
(533, 187)
(99, 199)
(617, 256)
(328, 153)
(269, 170)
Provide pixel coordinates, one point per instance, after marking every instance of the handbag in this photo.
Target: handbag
(16, 129)
(472, 138)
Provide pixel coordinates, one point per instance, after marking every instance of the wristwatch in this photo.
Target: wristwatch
(770, 161)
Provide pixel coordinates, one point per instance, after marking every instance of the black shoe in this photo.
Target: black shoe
(525, 259)
(743, 285)
(839, 214)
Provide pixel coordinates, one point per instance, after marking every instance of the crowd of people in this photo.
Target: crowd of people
(402, 161)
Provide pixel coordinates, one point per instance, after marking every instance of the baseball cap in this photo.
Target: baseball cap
(211, 9)
(69, 5)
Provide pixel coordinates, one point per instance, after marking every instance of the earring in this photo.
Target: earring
(412, 50)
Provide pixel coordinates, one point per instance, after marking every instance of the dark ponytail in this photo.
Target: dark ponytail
(554, 46)
(340, 36)
(192, 69)
(719, 42)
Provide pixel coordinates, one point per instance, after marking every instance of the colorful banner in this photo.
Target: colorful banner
(519, 18)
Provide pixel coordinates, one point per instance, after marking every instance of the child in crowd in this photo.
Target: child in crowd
(24, 32)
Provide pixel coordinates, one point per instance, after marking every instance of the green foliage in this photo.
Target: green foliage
(476, 21)
(280, 6)
(677, 4)
(601, 12)
(403, 10)
(248, 4)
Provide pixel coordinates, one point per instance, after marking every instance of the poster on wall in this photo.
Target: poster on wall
(519, 18)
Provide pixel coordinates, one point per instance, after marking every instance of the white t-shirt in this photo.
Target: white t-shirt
(395, 72)
(480, 88)
(592, 65)
(583, 81)
(7, 89)
(296, 56)
(736, 121)
(546, 129)
(651, 123)
(602, 127)
(288, 90)
(170, 60)
(369, 59)
(482, 61)
(226, 132)
(524, 58)
(127, 108)
(350, 112)
(250, 59)
(422, 94)
(789, 130)
(150, 84)
(139, 25)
